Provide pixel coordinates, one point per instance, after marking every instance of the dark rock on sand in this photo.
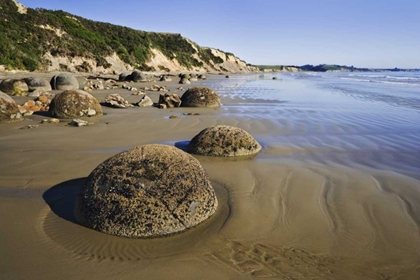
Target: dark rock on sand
(137, 76)
(14, 87)
(200, 97)
(184, 81)
(38, 85)
(64, 81)
(170, 100)
(223, 141)
(74, 104)
(9, 111)
(123, 76)
(148, 191)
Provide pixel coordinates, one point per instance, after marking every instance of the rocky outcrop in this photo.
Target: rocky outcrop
(14, 86)
(170, 100)
(115, 100)
(148, 191)
(64, 81)
(200, 97)
(223, 141)
(74, 104)
(9, 111)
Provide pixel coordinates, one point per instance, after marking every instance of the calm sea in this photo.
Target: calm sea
(355, 119)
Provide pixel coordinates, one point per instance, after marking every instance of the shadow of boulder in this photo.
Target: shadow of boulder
(62, 198)
(182, 145)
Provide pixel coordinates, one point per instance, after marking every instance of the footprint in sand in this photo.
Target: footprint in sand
(261, 260)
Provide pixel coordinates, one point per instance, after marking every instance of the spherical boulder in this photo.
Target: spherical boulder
(64, 81)
(223, 141)
(123, 76)
(14, 86)
(9, 111)
(37, 84)
(74, 104)
(137, 76)
(147, 191)
(200, 97)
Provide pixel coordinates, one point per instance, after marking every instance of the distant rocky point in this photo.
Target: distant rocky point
(328, 68)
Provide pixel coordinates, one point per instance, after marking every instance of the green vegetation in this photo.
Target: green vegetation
(25, 38)
(277, 67)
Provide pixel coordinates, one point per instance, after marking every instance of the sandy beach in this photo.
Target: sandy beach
(331, 195)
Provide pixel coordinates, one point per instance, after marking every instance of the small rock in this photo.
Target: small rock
(145, 101)
(79, 122)
(191, 114)
(170, 100)
(174, 117)
(53, 120)
(184, 81)
(115, 100)
(165, 79)
(29, 126)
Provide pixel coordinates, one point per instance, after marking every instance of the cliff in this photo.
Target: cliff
(45, 40)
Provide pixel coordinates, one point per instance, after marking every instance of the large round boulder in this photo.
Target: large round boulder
(74, 104)
(64, 81)
(37, 84)
(137, 76)
(123, 76)
(147, 191)
(14, 86)
(200, 97)
(223, 141)
(9, 111)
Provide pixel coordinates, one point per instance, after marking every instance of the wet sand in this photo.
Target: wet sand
(321, 201)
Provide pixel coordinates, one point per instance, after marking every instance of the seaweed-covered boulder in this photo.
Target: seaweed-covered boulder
(74, 104)
(64, 81)
(147, 191)
(137, 76)
(38, 85)
(14, 86)
(200, 97)
(170, 100)
(9, 111)
(223, 141)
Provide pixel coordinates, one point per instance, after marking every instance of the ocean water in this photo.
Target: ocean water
(369, 120)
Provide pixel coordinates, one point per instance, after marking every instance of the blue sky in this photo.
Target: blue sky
(363, 33)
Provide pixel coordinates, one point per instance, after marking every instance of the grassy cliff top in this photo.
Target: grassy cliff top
(26, 37)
